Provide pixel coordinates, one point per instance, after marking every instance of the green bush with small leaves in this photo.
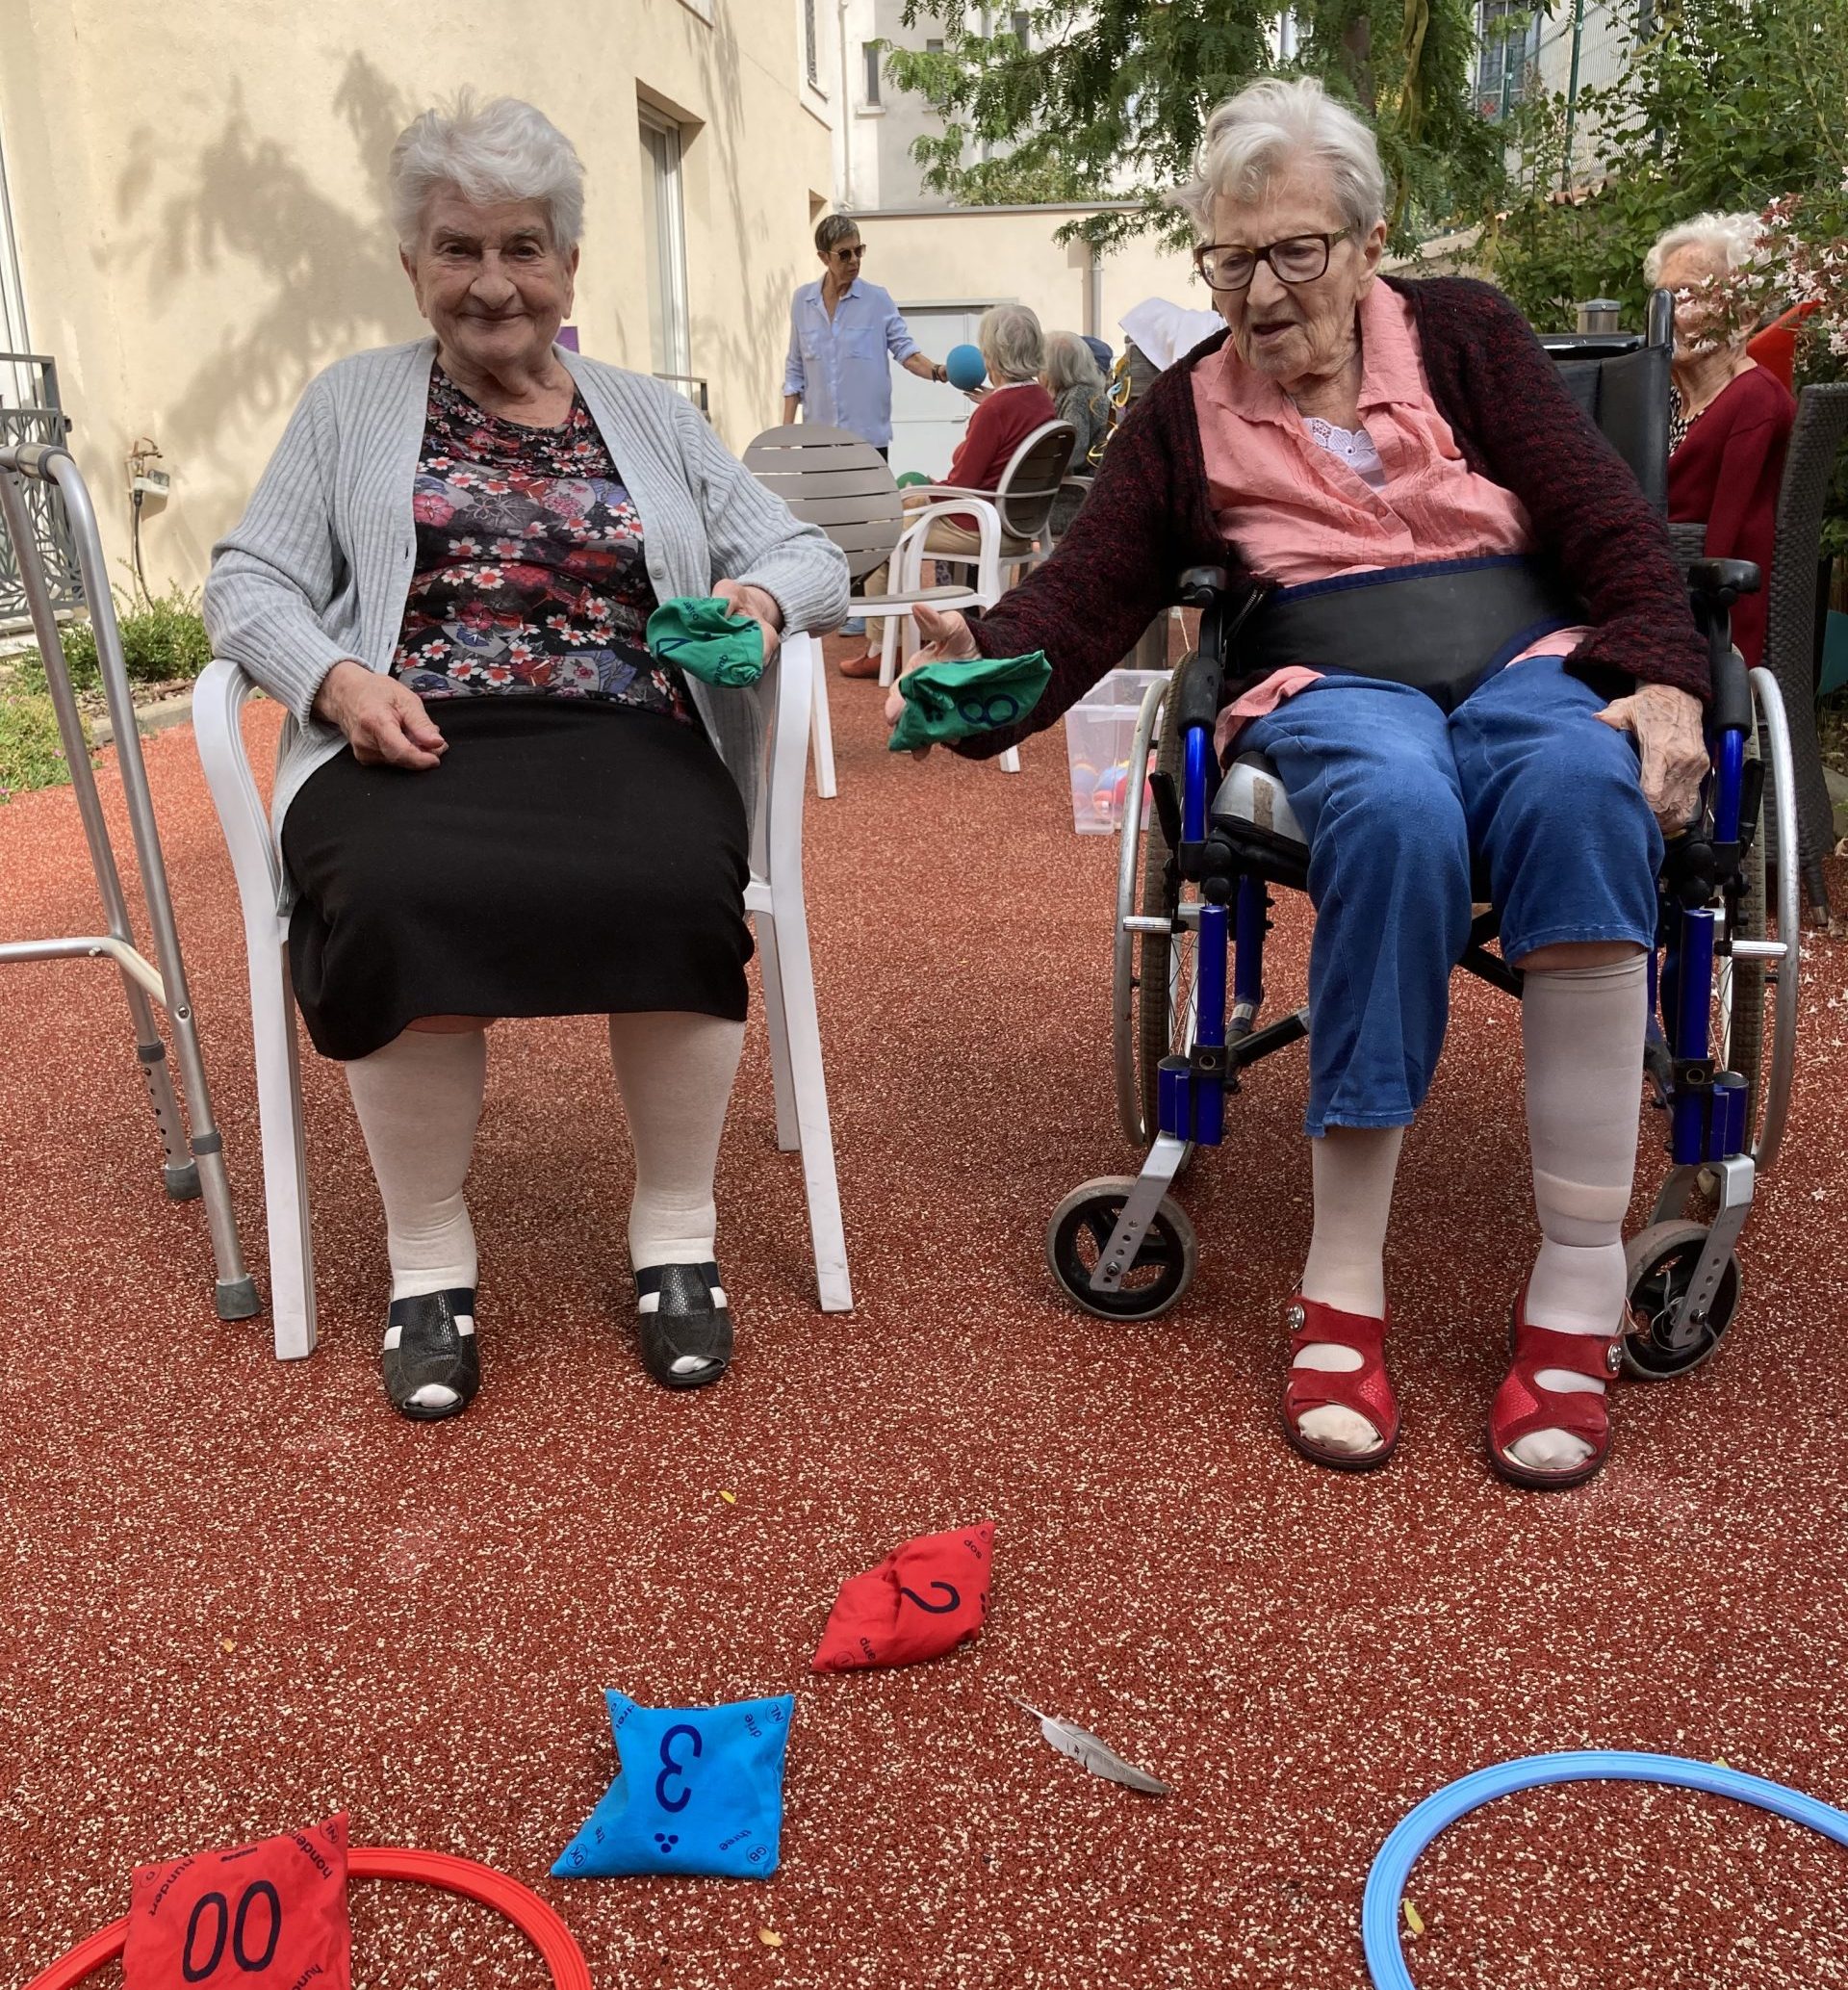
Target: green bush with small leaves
(32, 755)
(162, 637)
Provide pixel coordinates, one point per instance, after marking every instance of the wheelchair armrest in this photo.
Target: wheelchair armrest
(1722, 580)
(1732, 693)
(1201, 587)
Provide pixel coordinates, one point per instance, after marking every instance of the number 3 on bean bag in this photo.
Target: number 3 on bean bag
(262, 1917)
(700, 1790)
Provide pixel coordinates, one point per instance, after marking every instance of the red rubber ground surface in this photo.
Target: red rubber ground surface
(241, 1594)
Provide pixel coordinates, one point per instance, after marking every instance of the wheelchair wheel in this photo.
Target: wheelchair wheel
(1161, 997)
(1661, 1262)
(1081, 1227)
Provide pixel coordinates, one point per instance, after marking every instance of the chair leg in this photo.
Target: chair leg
(888, 647)
(285, 1151)
(788, 1139)
(821, 736)
(1010, 761)
(796, 975)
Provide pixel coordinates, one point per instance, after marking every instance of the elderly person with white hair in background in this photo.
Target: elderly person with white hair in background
(1354, 429)
(1730, 421)
(1009, 409)
(500, 803)
(1079, 392)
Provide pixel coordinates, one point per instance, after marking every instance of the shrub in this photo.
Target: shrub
(31, 753)
(162, 637)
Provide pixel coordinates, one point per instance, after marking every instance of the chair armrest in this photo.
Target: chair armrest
(219, 698)
(1722, 580)
(948, 490)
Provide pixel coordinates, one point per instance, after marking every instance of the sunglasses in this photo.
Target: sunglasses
(848, 255)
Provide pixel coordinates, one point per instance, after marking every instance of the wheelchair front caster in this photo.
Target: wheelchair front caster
(1661, 1341)
(1162, 1269)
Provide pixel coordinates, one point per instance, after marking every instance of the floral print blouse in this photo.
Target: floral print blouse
(530, 578)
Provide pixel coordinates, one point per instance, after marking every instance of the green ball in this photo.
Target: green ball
(911, 476)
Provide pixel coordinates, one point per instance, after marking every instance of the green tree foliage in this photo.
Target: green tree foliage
(1724, 107)
(1106, 99)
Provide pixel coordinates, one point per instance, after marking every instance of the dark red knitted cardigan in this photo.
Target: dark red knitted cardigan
(1148, 517)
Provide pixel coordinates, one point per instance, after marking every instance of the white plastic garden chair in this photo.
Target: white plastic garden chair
(831, 479)
(774, 897)
(1009, 520)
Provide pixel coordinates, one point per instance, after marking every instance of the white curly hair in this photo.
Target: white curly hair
(499, 150)
(1730, 240)
(1269, 126)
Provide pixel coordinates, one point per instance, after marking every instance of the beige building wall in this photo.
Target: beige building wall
(198, 198)
(998, 254)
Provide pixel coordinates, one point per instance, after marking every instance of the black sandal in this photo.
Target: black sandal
(432, 1367)
(684, 1319)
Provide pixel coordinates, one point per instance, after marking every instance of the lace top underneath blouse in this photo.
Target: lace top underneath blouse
(1354, 447)
(530, 577)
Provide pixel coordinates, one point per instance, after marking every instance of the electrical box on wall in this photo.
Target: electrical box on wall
(152, 484)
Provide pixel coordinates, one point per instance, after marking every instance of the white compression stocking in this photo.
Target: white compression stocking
(419, 1101)
(1352, 1169)
(674, 1073)
(1582, 1029)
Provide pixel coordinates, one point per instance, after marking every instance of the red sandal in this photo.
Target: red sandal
(1365, 1391)
(1522, 1407)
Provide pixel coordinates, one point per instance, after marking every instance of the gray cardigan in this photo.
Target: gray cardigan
(319, 567)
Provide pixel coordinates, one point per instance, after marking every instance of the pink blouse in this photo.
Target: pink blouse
(1298, 512)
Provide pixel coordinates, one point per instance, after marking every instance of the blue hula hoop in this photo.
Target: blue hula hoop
(1393, 1868)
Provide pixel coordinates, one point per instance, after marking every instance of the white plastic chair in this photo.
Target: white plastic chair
(832, 478)
(1009, 520)
(774, 897)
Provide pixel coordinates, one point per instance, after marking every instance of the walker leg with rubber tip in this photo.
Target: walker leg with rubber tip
(191, 1167)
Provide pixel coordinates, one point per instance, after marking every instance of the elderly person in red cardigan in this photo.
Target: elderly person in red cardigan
(1347, 428)
(1730, 421)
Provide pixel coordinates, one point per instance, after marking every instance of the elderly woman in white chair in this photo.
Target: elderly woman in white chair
(500, 803)
(1350, 428)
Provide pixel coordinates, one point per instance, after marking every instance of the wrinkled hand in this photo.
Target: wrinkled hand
(384, 720)
(1666, 724)
(946, 640)
(760, 605)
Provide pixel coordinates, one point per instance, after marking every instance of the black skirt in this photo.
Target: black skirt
(567, 858)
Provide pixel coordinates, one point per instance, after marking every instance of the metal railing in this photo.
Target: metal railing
(693, 386)
(29, 413)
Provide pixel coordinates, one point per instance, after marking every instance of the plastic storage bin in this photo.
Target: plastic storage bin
(1099, 733)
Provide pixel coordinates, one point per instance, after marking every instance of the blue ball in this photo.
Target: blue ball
(965, 366)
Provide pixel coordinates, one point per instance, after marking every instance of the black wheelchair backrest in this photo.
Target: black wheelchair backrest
(1621, 380)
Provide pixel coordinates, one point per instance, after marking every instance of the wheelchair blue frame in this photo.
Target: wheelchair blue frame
(1139, 1232)
(1707, 1107)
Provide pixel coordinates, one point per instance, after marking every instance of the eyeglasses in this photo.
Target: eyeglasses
(1300, 259)
(848, 255)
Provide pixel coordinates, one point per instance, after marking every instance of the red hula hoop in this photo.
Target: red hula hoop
(541, 1925)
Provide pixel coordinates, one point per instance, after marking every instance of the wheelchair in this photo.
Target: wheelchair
(1202, 852)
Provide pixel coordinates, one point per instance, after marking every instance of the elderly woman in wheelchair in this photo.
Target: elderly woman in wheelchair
(1469, 661)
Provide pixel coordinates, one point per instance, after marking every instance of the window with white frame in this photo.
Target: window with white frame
(811, 45)
(664, 246)
(869, 56)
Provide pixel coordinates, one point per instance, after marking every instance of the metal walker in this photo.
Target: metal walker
(196, 1166)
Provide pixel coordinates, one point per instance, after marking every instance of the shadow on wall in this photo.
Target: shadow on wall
(742, 331)
(324, 278)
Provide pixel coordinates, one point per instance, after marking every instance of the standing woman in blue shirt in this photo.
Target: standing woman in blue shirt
(843, 335)
(843, 332)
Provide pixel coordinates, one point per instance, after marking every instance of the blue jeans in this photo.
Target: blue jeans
(1398, 802)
